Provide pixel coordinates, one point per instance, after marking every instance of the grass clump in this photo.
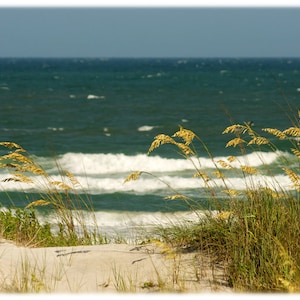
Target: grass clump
(255, 233)
(67, 207)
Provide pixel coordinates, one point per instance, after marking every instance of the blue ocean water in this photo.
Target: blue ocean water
(97, 118)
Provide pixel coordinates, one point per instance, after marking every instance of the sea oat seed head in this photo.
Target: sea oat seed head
(186, 134)
(219, 174)
(232, 193)
(295, 178)
(258, 141)
(275, 132)
(11, 145)
(249, 170)
(61, 185)
(133, 176)
(292, 131)
(177, 196)
(40, 202)
(231, 158)
(204, 176)
(224, 164)
(296, 152)
(236, 129)
(234, 142)
(160, 140)
(185, 149)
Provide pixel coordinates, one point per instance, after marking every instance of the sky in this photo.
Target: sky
(155, 31)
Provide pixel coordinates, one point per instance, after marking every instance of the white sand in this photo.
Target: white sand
(105, 268)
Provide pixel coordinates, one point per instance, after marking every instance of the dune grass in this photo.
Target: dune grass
(256, 235)
(67, 207)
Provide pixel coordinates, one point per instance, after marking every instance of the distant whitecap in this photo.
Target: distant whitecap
(95, 97)
(146, 128)
(56, 128)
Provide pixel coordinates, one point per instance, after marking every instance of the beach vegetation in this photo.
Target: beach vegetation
(67, 207)
(254, 233)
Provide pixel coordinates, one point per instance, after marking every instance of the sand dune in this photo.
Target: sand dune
(108, 268)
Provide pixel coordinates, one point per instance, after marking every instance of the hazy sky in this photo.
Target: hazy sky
(149, 32)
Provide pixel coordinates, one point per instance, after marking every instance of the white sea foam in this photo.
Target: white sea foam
(146, 128)
(55, 128)
(80, 163)
(95, 97)
(105, 173)
(130, 225)
(148, 184)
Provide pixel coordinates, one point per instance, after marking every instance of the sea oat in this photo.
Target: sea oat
(275, 132)
(186, 134)
(61, 185)
(258, 141)
(224, 164)
(231, 158)
(40, 202)
(296, 152)
(249, 170)
(72, 178)
(204, 176)
(234, 142)
(272, 193)
(224, 215)
(165, 249)
(23, 177)
(295, 178)
(160, 140)
(30, 168)
(292, 131)
(177, 196)
(133, 176)
(11, 145)
(185, 149)
(219, 174)
(236, 129)
(15, 156)
(232, 193)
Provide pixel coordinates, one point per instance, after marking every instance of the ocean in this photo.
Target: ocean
(97, 118)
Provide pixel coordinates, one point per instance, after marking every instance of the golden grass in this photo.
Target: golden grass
(256, 236)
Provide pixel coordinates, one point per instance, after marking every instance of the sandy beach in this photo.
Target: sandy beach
(108, 268)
